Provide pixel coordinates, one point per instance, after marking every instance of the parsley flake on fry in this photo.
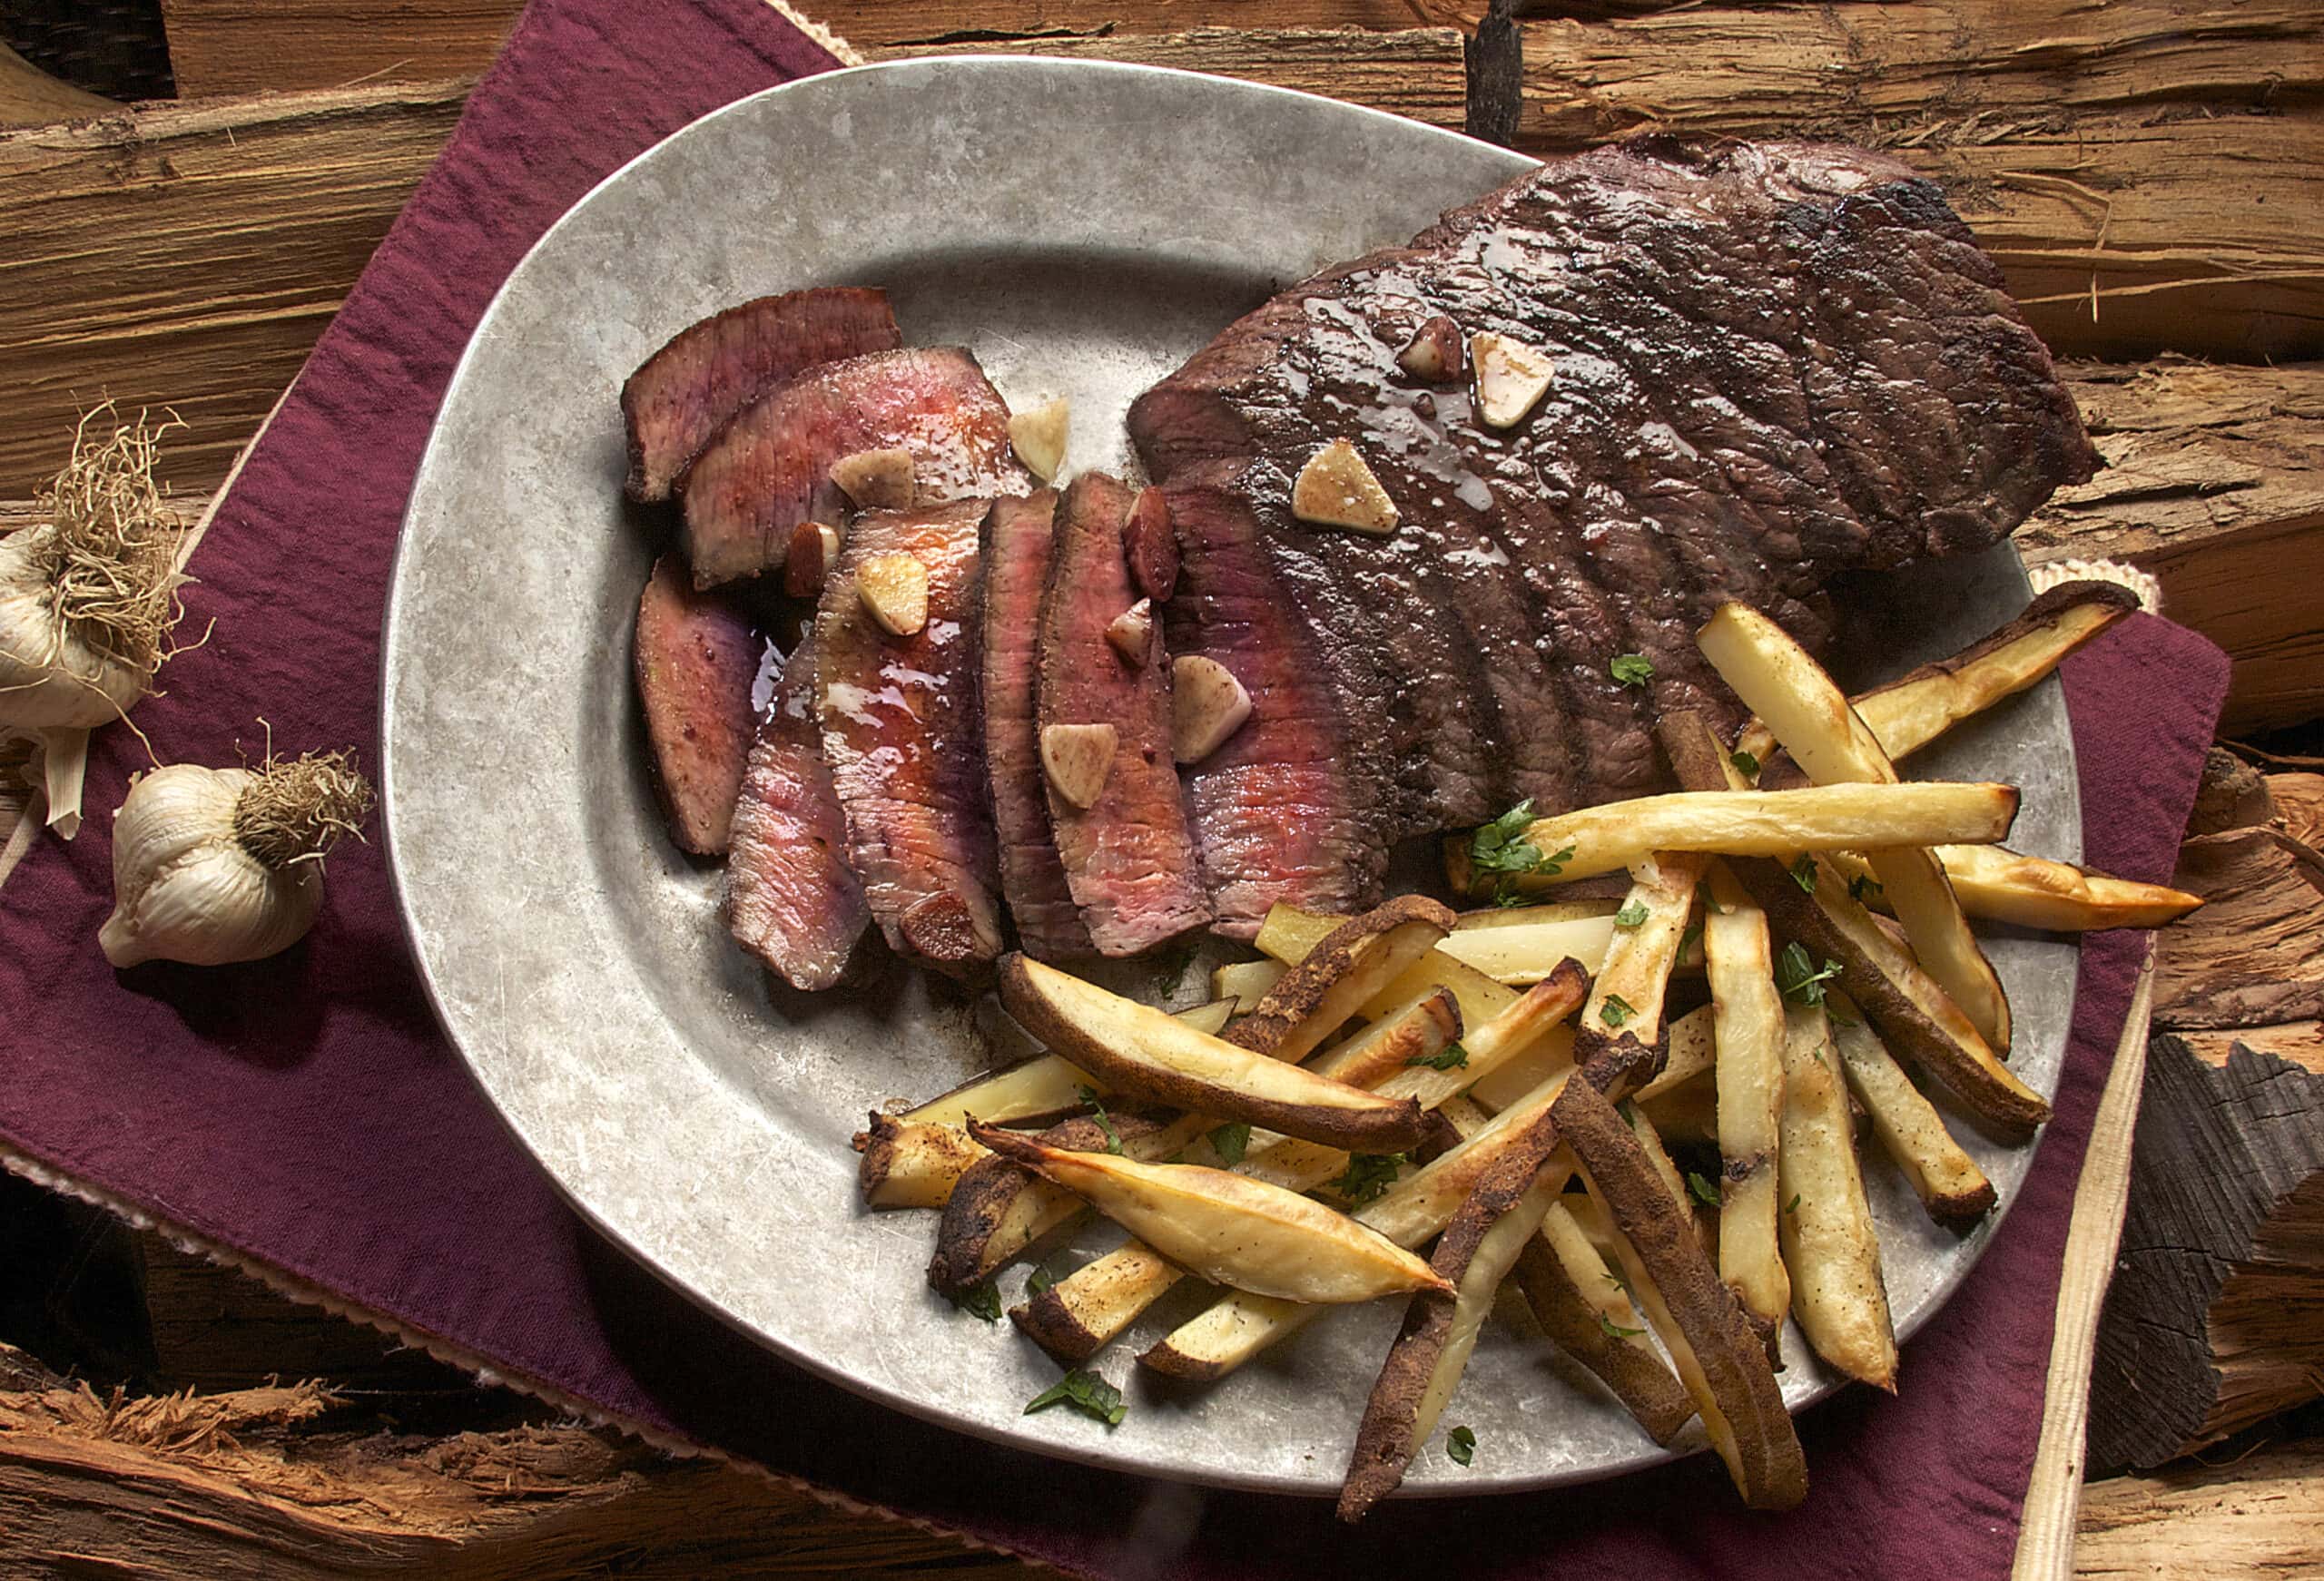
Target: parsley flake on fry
(1105, 1121)
(1632, 913)
(1803, 872)
(1616, 1010)
(1704, 1191)
(1614, 1331)
(1461, 1443)
(1631, 669)
(1745, 763)
(1369, 1175)
(1230, 1141)
(1452, 1057)
(1863, 887)
(1796, 977)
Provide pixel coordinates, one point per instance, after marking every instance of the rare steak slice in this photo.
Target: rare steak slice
(1764, 365)
(792, 899)
(905, 742)
(1128, 854)
(1018, 533)
(684, 392)
(696, 661)
(769, 469)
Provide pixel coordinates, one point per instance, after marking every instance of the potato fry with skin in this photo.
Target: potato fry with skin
(1388, 1046)
(1810, 714)
(1627, 996)
(1228, 1228)
(1341, 972)
(1137, 1050)
(1044, 1087)
(2000, 885)
(1477, 1249)
(1947, 1181)
(907, 1164)
(1522, 956)
(1750, 1041)
(1820, 817)
(1244, 983)
(1289, 933)
(1587, 1313)
(1692, 1050)
(1687, 1114)
(1830, 1243)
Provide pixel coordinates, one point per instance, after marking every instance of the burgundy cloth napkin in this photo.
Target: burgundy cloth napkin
(305, 1115)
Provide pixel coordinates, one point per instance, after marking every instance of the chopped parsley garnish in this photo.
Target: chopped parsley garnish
(1369, 1175)
(1614, 1331)
(982, 1300)
(1616, 1010)
(1693, 935)
(1461, 1445)
(1796, 977)
(1105, 1121)
(1803, 872)
(1501, 850)
(1863, 887)
(1085, 1392)
(1745, 763)
(1043, 1280)
(1632, 913)
(1632, 669)
(1229, 1141)
(1452, 1057)
(1704, 1192)
(1792, 1206)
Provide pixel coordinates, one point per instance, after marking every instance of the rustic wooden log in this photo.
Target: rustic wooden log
(2216, 1316)
(2298, 799)
(2253, 1519)
(31, 97)
(2085, 144)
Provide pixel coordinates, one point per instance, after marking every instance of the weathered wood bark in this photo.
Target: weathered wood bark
(2085, 144)
(2214, 482)
(2299, 800)
(31, 97)
(2216, 1316)
(2255, 1519)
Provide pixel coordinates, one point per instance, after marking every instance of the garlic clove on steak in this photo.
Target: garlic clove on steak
(1038, 438)
(814, 549)
(894, 588)
(1077, 757)
(1433, 353)
(1336, 489)
(1511, 379)
(1132, 631)
(1208, 705)
(876, 480)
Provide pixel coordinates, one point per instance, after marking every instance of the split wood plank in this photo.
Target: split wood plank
(2146, 170)
(235, 47)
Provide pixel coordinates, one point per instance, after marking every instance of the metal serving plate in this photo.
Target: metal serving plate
(1083, 227)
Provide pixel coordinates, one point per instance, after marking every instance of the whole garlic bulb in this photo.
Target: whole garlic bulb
(211, 866)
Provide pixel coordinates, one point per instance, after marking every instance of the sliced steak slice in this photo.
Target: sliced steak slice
(905, 742)
(1018, 534)
(769, 469)
(683, 393)
(792, 898)
(697, 660)
(1129, 857)
(1773, 363)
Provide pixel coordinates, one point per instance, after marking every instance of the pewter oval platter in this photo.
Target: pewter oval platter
(1083, 227)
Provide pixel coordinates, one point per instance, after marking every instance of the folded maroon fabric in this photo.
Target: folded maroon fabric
(306, 1116)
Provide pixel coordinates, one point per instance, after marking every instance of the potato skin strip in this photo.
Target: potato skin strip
(1336, 977)
(1227, 1228)
(1587, 1314)
(907, 1164)
(1947, 1181)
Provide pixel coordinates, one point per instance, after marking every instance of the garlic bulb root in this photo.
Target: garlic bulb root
(211, 866)
(87, 601)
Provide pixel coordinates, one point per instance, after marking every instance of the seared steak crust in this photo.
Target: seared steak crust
(1129, 859)
(1773, 363)
(904, 736)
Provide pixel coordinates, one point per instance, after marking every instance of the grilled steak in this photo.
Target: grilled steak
(905, 743)
(1018, 533)
(1772, 363)
(695, 663)
(769, 469)
(792, 899)
(1129, 857)
(681, 394)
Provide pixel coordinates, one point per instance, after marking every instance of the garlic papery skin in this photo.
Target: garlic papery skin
(186, 888)
(54, 685)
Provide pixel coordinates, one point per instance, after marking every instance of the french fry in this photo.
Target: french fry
(1044, 1087)
(997, 1210)
(1691, 1051)
(1239, 1326)
(1627, 996)
(1228, 1228)
(1913, 710)
(1537, 915)
(1524, 955)
(1750, 1018)
(1341, 973)
(1819, 818)
(2000, 885)
(1380, 1050)
(1830, 1243)
(1137, 1050)
(1949, 1182)
(1687, 1114)
(1587, 1313)
(1810, 714)
(1288, 934)
(1423, 1368)
(1718, 1355)
(907, 1165)
(1244, 984)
